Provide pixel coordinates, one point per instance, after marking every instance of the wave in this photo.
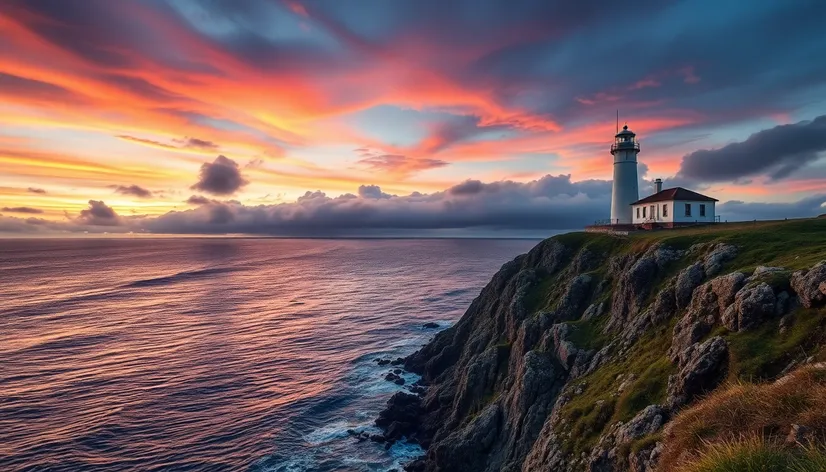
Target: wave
(181, 277)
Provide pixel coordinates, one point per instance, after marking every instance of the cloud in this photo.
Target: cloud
(99, 214)
(33, 211)
(199, 200)
(776, 152)
(195, 143)
(372, 191)
(133, 190)
(742, 211)
(220, 177)
(146, 142)
(399, 164)
(39, 191)
(552, 202)
(180, 144)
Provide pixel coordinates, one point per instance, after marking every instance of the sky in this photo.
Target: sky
(403, 117)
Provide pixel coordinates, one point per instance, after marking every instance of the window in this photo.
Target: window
(638, 212)
(643, 212)
(665, 210)
(687, 209)
(653, 211)
(702, 210)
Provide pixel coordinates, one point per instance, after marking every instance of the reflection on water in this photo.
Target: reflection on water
(216, 354)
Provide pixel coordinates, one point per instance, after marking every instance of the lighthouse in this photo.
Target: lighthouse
(626, 187)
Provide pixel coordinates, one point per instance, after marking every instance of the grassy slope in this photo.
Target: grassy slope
(756, 355)
(743, 427)
(793, 244)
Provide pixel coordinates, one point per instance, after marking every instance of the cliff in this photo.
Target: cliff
(588, 352)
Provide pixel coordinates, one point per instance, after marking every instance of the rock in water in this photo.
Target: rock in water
(401, 416)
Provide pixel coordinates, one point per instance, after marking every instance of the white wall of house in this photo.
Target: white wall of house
(673, 211)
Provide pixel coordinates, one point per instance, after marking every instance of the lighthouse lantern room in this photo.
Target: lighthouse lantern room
(626, 187)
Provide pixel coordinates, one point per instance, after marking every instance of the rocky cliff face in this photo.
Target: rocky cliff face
(576, 355)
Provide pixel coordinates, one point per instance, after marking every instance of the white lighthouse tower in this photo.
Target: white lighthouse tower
(626, 187)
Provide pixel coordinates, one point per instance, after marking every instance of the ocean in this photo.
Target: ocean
(208, 354)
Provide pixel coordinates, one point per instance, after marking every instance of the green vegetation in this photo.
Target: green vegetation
(595, 242)
(540, 294)
(737, 427)
(600, 404)
(645, 441)
(793, 244)
(755, 455)
(588, 334)
(754, 355)
(764, 352)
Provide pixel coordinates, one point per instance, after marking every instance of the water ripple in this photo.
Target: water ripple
(216, 354)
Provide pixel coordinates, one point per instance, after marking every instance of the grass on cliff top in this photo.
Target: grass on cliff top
(794, 244)
(737, 426)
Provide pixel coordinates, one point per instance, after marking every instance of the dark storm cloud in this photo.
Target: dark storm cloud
(98, 214)
(504, 207)
(743, 211)
(539, 56)
(85, 29)
(220, 177)
(777, 152)
(33, 211)
(468, 187)
(133, 190)
(553, 202)
(38, 191)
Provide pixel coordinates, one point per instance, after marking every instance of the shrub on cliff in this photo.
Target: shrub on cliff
(752, 427)
(757, 455)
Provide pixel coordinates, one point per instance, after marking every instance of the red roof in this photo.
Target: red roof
(676, 193)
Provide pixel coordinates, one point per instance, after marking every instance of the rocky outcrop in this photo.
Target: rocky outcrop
(701, 368)
(717, 257)
(571, 358)
(635, 280)
(751, 306)
(810, 285)
(707, 306)
(611, 453)
(401, 416)
(573, 301)
(517, 383)
(687, 280)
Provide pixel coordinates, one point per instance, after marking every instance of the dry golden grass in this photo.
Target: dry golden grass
(757, 455)
(733, 418)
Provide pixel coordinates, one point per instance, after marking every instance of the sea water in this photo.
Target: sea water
(217, 354)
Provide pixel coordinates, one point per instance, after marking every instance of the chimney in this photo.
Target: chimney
(658, 185)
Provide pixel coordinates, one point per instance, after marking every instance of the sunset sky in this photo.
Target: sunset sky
(345, 117)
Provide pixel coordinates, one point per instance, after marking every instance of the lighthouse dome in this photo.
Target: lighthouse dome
(625, 132)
